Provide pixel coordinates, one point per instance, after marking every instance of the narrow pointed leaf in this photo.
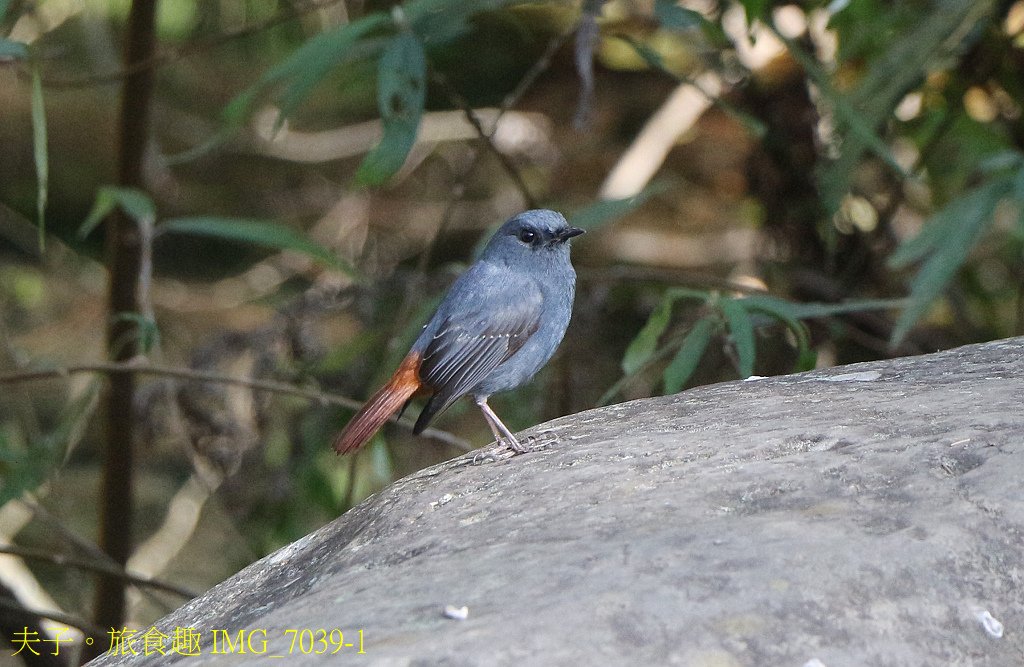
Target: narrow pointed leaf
(646, 342)
(256, 232)
(688, 357)
(603, 212)
(39, 153)
(741, 330)
(305, 68)
(643, 347)
(974, 214)
(401, 94)
(134, 202)
(948, 225)
(785, 312)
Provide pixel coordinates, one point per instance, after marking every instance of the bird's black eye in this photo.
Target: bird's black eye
(527, 236)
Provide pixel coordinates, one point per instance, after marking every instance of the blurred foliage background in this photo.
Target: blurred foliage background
(768, 187)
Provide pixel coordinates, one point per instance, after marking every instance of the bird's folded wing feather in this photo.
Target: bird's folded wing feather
(472, 342)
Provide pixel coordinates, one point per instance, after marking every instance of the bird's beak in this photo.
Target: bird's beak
(569, 232)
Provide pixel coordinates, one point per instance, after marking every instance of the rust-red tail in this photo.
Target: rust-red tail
(386, 402)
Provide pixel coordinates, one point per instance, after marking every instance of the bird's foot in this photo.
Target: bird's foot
(543, 440)
(506, 448)
(499, 452)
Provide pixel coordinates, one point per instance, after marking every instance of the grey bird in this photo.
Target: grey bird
(498, 325)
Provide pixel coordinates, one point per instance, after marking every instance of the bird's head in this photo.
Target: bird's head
(537, 233)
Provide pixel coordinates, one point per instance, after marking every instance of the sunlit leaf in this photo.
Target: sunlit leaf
(135, 203)
(256, 232)
(688, 357)
(741, 330)
(401, 93)
(888, 78)
(39, 153)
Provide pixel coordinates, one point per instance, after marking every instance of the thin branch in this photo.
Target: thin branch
(459, 101)
(60, 617)
(532, 74)
(94, 566)
(192, 375)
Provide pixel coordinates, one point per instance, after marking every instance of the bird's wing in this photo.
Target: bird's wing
(479, 330)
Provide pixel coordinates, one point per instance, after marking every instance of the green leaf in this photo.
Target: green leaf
(947, 225)
(688, 357)
(39, 153)
(134, 202)
(602, 212)
(804, 311)
(788, 314)
(755, 9)
(741, 330)
(24, 466)
(642, 348)
(146, 330)
(256, 232)
(889, 77)
(646, 342)
(12, 49)
(305, 68)
(401, 94)
(964, 221)
(672, 16)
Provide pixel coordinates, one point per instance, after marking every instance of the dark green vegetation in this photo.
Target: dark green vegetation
(254, 204)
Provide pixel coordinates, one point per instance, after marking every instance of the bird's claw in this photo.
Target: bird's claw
(544, 439)
(506, 449)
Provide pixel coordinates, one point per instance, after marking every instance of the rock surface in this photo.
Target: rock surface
(863, 515)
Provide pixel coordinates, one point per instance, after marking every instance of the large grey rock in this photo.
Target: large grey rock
(863, 515)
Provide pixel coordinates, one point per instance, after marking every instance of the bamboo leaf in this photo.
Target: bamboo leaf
(305, 68)
(741, 330)
(947, 225)
(256, 232)
(39, 153)
(602, 212)
(643, 347)
(804, 311)
(401, 94)
(965, 220)
(646, 342)
(788, 314)
(688, 357)
(134, 202)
